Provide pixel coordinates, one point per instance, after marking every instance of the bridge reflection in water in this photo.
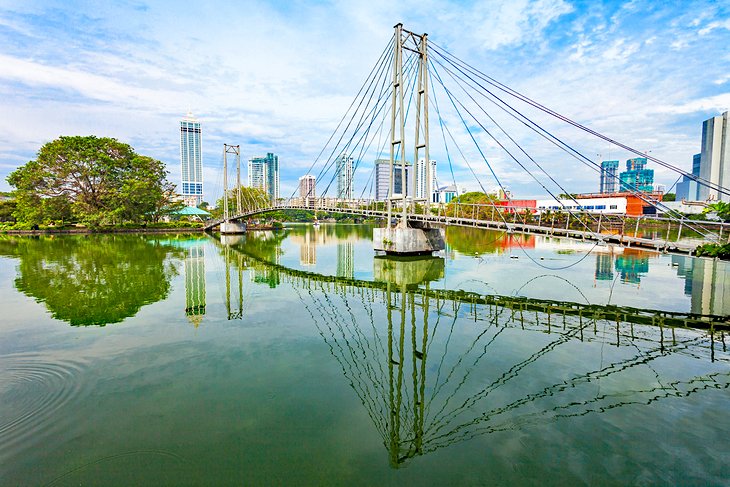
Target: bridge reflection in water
(434, 367)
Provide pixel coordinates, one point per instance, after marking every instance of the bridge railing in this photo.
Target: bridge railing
(518, 217)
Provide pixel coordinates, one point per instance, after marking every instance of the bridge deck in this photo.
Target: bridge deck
(660, 245)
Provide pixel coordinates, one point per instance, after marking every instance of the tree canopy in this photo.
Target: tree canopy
(93, 180)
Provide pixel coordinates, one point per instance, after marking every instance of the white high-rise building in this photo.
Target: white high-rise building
(421, 186)
(715, 157)
(263, 173)
(257, 173)
(191, 160)
(344, 177)
(307, 189)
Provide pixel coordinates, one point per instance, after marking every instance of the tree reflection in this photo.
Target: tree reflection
(470, 241)
(92, 280)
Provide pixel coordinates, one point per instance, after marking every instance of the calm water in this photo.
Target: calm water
(299, 358)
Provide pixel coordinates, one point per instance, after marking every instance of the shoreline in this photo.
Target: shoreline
(87, 231)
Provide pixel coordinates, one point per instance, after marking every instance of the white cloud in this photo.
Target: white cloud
(278, 77)
(718, 24)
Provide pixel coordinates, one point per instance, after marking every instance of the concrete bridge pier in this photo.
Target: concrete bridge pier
(421, 240)
(232, 227)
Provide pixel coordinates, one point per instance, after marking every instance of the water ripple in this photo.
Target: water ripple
(32, 390)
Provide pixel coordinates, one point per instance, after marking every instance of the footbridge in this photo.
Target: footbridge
(489, 137)
(664, 234)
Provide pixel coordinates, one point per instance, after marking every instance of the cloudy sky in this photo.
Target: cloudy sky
(278, 76)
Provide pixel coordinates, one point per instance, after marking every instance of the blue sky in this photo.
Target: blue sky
(277, 76)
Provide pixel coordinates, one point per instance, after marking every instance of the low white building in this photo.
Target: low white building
(681, 207)
(609, 205)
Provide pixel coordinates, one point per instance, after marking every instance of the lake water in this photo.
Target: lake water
(300, 358)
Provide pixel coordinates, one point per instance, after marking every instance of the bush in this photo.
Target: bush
(714, 250)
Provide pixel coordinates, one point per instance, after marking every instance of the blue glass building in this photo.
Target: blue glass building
(191, 161)
(609, 176)
(688, 189)
(637, 177)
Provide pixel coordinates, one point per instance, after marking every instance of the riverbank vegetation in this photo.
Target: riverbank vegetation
(714, 250)
(92, 182)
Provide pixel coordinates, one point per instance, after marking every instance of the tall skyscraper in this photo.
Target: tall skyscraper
(688, 189)
(715, 157)
(421, 189)
(263, 173)
(382, 179)
(307, 189)
(191, 160)
(609, 176)
(637, 177)
(344, 177)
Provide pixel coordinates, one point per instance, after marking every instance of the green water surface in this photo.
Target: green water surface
(300, 358)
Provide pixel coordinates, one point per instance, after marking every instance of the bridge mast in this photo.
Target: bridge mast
(226, 226)
(420, 239)
(421, 109)
(397, 107)
(226, 216)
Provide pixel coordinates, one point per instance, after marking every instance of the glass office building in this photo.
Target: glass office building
(609, 177)
(191, 161)
(263, 173)
(637, 177)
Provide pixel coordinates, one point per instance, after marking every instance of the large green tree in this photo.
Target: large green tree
(95, 180)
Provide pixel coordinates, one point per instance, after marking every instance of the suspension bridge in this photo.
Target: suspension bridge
(488, 132)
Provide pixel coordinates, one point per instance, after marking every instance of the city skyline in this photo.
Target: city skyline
(72, 70)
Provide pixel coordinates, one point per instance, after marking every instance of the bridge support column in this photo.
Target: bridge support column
(409, 241)
(233, 227)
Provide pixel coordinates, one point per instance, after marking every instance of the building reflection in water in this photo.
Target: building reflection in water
(195, 284)
(707, 282)
(346, 259)
(630, 264)
(604, 267)
(308, 247)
